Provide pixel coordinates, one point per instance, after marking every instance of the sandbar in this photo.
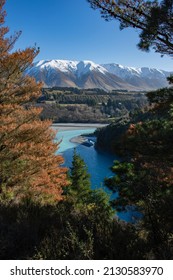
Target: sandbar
(78, 139)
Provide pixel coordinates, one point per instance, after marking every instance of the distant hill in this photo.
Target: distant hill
(87, 74)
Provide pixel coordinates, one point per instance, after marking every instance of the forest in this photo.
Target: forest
(50, 212)
(88, 106)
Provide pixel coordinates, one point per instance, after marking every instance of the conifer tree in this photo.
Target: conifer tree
(153, 19)
(145, 180)
(28, 164)
(80, 179)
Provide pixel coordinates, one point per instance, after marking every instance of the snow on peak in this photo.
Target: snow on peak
(125, 71)
(78, 67)
(49, 71)
(86, 66)
(62, 65)
(39, 63)
(122, 71)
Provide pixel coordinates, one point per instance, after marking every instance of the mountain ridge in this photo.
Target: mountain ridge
(87, 74)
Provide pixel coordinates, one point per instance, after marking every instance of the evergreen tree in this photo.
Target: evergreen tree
(29, 166)
(145, 180)
(152, 18)
(80, 180)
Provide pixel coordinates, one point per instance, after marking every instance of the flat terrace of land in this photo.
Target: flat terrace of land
(76, 126)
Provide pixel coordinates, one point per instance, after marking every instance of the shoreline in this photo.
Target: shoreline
(76, 126)
(78, 139)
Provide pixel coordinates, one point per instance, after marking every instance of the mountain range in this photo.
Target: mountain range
(87, 74)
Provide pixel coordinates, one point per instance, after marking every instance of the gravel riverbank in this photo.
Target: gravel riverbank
(76, 126)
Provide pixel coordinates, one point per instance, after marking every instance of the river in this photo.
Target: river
(98, 163)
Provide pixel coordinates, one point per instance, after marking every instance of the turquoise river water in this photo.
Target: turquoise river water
(98, 163)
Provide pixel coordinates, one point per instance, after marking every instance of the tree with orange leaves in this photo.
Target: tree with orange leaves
(29, 167)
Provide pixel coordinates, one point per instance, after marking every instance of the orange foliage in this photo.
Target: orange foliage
(29, 166)
(133, 128)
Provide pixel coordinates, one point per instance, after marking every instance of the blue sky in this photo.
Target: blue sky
(70, 29)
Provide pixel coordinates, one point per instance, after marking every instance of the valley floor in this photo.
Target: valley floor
(76, 126)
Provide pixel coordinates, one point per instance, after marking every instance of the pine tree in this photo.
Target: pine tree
(145, 181)
(80, 180)
(28, 164)
(153, 19)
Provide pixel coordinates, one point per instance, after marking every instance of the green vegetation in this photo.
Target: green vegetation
(47, 214)
(80, 180)
(62, 232)
(152, 19)
(76, 105)
(143, 178)
(43, 213)
(80, 227)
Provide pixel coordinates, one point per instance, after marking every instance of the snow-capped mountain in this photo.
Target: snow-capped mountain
(146, 78)
(87, 74)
